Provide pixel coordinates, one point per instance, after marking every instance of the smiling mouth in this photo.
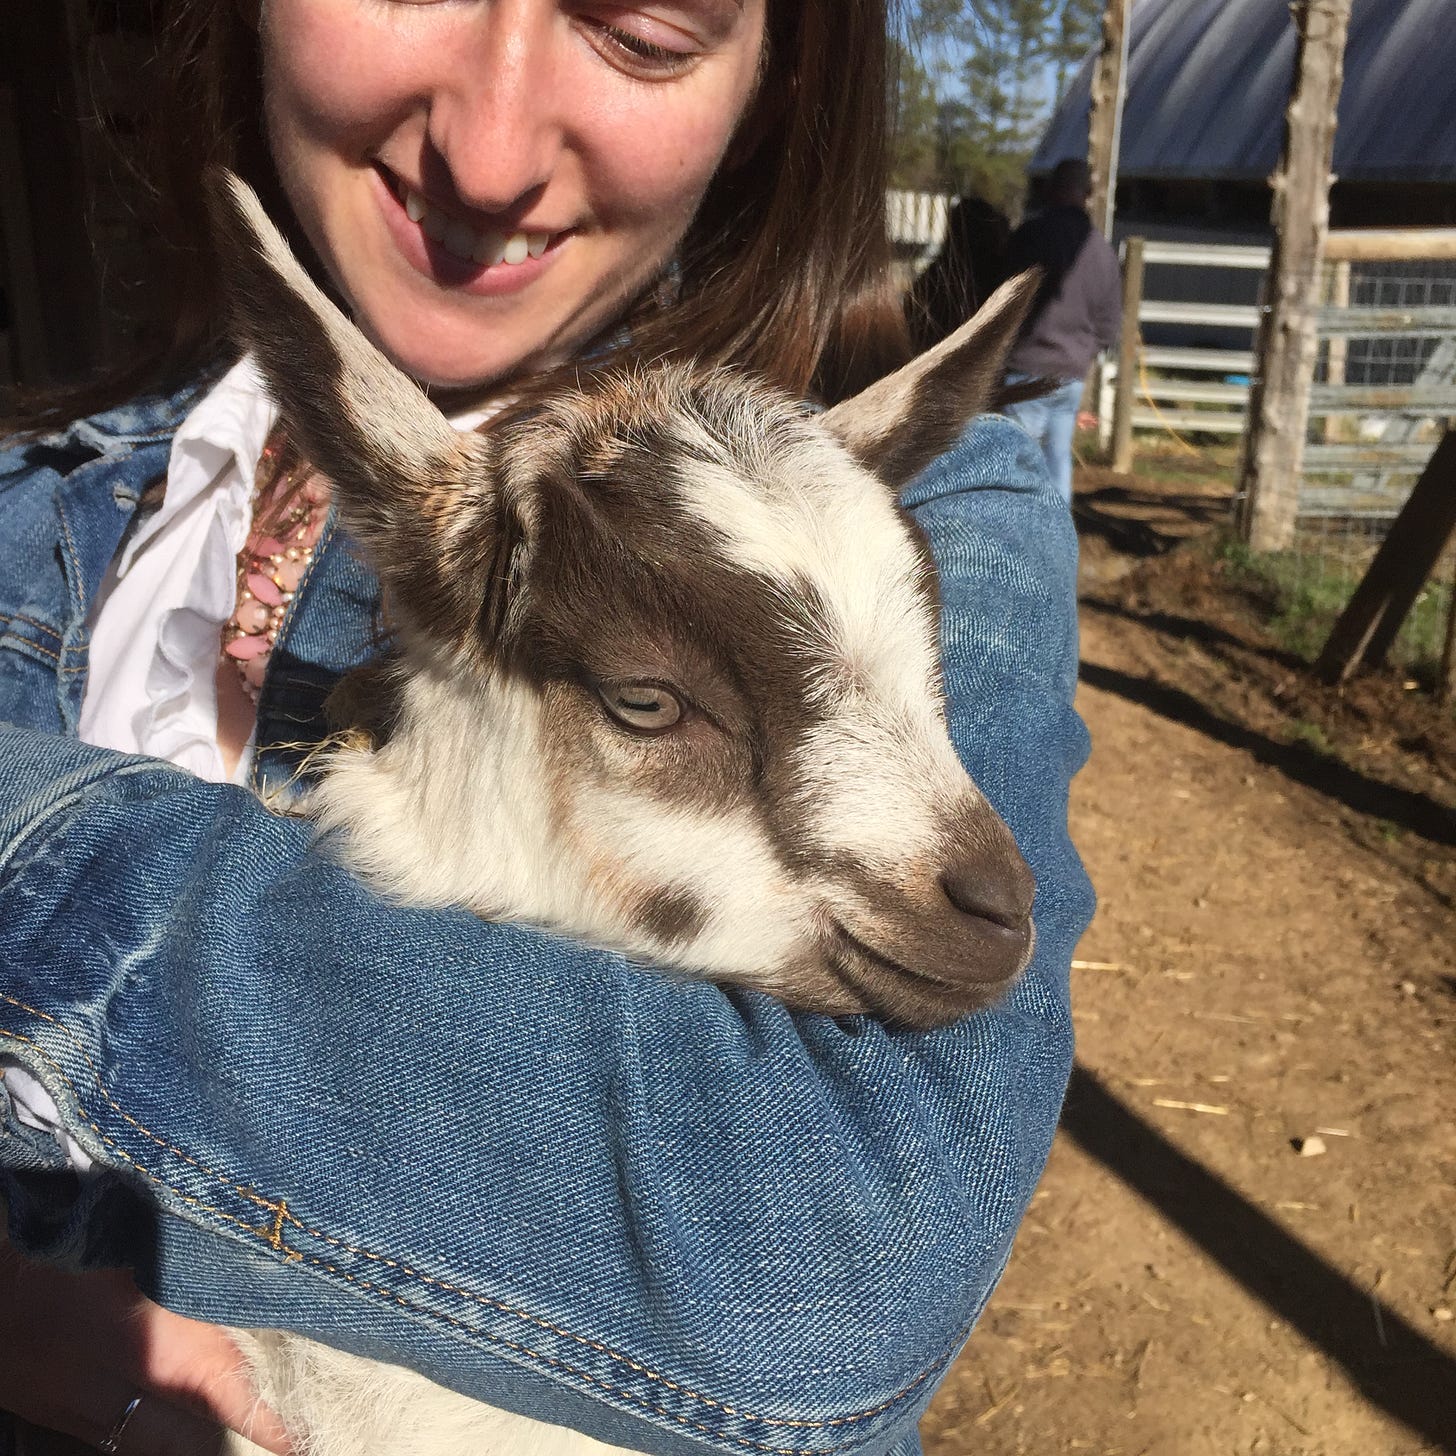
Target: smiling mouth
(486, 246)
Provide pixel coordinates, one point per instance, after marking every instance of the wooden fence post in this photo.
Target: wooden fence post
(1104, 140)
(1104, 124)
(1446, 676)
(1279, 406)
(1339, 349)
(1407, 557)
(1127, 356)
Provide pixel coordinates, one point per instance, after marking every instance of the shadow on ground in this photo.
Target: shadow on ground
(1194, 629)
(1136, 521)
(1404, 808)
(1393, 1365)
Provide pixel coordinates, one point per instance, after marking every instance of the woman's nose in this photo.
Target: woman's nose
(495, 121)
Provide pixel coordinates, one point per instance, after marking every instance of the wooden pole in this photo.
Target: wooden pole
(1279, 404)
(1127, 356)
(1390, 245)
(1407, 557)
(1104, 142)
(1104, 123)
(1338, 348)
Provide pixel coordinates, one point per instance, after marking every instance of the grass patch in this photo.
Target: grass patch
(1311, 735)
(1305, 594)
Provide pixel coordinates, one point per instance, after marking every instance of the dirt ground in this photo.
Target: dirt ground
(1272, 968)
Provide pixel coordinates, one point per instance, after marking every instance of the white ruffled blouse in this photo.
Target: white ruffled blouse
(156, 625)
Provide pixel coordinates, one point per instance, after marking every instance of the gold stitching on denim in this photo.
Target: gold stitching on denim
(74, 558)
(120, 1151)
(486, 1300)
(282, 1214)
(32, 622)
(36, 647)
(60, 1026)
(503, 1340)
(272, 1235)
(628, 1395)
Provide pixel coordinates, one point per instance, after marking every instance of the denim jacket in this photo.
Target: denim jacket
(678, 1218)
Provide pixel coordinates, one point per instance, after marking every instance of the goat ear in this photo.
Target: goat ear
(900, 423)
(395, 462)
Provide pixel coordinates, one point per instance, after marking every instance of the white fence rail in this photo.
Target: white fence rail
(1165, 399)
(1387, 374)
(917, 224)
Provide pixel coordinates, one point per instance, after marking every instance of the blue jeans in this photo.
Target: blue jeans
(1050, 421)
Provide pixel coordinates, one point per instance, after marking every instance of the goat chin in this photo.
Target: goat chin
(342, 1405)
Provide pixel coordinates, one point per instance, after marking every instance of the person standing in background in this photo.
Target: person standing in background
(1077, 314)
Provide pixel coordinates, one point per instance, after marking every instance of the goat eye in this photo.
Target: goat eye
(644, 706)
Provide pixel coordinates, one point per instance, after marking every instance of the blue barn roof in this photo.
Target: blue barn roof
(1208, 81)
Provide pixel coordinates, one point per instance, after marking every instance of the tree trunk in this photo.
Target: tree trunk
(1279, 405)
(1104, 126)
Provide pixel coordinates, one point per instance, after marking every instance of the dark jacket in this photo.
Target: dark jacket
(1079, 310)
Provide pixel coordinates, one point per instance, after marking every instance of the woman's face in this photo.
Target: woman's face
(490, 182)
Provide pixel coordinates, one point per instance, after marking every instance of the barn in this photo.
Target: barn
(1203, 123)
(1207, 84)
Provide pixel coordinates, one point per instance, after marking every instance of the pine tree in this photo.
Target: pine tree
(1079, 25)
(915, 155)
(992, 69)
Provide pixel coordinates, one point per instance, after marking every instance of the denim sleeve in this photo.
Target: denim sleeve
(677, 1218)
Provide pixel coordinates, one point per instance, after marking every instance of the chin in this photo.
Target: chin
(420, 354)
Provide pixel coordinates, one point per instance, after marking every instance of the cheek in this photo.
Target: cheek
(857, 776)
(331, 75)
(654, 152)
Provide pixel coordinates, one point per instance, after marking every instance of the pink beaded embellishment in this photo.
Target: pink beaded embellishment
(271, 565)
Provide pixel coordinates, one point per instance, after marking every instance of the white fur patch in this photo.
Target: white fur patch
(757, 915)
(349, 1406)
(878, 787)
(451, 810)
(878, 773)
(457, 809)
(813, 516)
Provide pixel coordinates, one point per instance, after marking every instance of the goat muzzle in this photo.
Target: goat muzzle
(926, 955)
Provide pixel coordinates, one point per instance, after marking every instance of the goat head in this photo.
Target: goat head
(668, 675)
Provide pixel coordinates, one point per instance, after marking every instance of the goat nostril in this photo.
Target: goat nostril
(1004, 898)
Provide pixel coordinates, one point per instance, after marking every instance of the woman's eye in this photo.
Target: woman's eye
(643, 706)
(644, 50)
(635, 52)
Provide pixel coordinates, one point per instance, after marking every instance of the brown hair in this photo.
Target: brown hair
(784, 271)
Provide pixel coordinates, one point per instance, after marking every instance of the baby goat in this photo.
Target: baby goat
(667, 681)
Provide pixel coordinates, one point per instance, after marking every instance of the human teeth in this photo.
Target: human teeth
(489, 249)
(459, 239)
(464, 241)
